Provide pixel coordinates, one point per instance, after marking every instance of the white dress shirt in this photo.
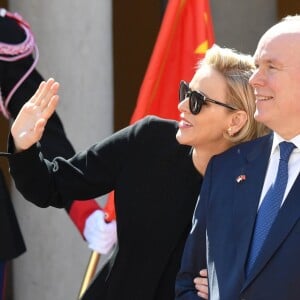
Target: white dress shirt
(293, 165)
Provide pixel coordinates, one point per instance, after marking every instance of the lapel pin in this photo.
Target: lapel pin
(240, 178)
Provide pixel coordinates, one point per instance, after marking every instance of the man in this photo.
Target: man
(252, 244)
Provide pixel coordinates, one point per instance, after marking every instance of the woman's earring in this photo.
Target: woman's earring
(229, 131)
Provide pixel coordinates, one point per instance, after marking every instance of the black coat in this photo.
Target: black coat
(156, 186)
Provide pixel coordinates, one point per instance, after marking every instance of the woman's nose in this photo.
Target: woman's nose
(183, 105)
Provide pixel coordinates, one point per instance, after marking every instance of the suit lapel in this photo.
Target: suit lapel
(247, 195)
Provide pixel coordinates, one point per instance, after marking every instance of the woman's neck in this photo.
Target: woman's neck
(201, 156)
(200, 160)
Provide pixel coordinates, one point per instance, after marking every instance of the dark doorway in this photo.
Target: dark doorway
(135, 27)
(285, 8)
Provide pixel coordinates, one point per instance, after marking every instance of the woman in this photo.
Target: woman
(156, 179)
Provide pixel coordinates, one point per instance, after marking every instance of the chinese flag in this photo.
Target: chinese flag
(186, 33)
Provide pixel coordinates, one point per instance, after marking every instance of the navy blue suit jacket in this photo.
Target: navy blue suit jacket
(223, 226)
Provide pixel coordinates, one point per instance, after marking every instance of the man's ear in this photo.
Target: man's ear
(238, 120)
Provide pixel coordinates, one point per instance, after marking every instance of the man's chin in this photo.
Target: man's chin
(258, 116)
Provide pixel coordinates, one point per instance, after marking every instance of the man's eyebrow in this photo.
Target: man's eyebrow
(267, 61)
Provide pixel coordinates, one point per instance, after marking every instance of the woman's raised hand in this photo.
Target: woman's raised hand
(30, 123)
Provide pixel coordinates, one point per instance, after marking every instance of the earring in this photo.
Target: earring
(229, 131)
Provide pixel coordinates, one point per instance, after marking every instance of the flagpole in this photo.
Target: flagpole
(91, 268)
(89, 273)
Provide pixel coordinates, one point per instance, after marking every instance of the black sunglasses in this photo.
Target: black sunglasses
(196, 98)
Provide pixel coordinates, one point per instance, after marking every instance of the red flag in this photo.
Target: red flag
(185, 34)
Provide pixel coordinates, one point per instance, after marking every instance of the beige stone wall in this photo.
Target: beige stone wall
(239, 24)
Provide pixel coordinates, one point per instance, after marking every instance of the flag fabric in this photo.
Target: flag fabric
(185, 34)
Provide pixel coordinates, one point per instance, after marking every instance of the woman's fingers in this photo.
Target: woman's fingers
(48, 110)
(36, 96)
(44, 92)
(50, 90)
(201, 284)
(30, 123)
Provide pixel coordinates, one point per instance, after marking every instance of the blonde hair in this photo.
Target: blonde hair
(236, 69)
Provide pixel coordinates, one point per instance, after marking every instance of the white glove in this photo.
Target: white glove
(100, 236)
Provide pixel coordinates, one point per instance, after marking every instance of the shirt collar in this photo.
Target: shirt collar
(278, 139)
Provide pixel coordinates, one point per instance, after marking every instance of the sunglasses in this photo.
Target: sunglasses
(197, 99)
